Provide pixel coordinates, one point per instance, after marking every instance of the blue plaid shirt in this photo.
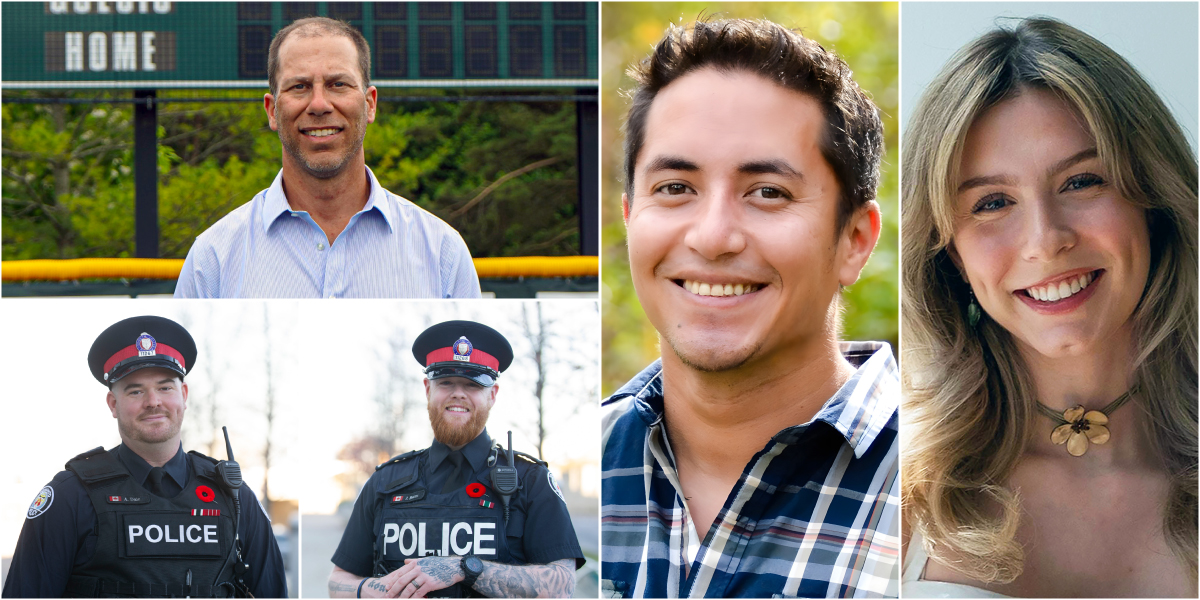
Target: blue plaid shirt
(814, 514)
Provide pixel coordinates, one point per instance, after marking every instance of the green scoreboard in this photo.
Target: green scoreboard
(48, 45)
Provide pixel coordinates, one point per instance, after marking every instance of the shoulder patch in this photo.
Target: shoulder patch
(554, 485)
(42, 502)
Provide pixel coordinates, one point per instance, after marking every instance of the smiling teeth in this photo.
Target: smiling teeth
(1060, 291)
(717, 289)
(321, 132)
(456, 409)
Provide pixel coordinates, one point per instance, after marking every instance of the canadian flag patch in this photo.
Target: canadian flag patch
(114, 498)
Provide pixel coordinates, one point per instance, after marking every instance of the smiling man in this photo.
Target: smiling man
(145, 519)
(758, 458)
(462, 518)
(326, 228)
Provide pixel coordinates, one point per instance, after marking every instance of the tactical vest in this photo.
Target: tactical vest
(146, 546)
(411, 521)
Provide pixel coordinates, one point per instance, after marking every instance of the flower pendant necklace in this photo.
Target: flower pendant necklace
(1077, 427)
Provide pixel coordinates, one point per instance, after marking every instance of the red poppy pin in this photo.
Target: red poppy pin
(475, 490)
(205, 493)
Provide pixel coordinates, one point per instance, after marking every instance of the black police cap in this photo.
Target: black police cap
(138, 343)
(463, 349)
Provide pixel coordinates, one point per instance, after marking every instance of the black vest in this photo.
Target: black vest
(146, 545)
(411, 521)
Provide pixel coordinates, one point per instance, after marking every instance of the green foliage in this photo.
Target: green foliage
(866, 36)
(68, 187)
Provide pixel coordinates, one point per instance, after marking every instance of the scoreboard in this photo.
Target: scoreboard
(58, 45)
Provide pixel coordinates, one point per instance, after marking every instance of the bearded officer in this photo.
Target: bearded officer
(145, 519)
(436, 522)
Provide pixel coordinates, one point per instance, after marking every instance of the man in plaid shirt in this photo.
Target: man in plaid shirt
(758, 457)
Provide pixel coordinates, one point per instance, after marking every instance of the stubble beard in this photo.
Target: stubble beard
(130, 431)
(456, 435)
(714, 360)
(289, 138)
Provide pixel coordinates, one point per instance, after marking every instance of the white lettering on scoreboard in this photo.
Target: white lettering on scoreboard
(109, 51)
(108, 8)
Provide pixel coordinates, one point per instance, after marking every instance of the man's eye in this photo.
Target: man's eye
(773, 193)
(673, 189)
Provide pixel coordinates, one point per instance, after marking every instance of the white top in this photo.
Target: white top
(913, 586)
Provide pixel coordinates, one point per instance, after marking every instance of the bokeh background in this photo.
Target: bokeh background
(864, 34)
(364, 403)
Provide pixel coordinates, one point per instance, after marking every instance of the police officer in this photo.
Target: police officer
(145, 519)
(464, 517)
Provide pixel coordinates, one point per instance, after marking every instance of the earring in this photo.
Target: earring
(973, 311)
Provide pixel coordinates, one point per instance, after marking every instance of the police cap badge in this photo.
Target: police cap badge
(140, 342)
(463, 349)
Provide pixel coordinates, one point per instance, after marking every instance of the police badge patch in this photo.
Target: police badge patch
(554, 485)
(463, 349)
(43, 501)
(146, 345)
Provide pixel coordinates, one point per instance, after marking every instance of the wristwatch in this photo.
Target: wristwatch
(472, 568)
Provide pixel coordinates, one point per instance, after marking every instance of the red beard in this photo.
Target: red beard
(456, 436)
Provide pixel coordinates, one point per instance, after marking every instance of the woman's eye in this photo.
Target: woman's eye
(1082, 181)
(990, 203)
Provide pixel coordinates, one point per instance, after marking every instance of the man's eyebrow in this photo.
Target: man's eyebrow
(770, 167)
(671, 163)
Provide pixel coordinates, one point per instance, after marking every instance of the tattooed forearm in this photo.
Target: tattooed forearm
(338, 586)
(555, 580)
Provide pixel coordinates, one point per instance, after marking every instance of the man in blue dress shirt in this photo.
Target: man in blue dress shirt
(145, 519)
(326, 228)
(758, 457)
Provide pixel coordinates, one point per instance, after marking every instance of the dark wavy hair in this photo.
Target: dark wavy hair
(853, 139)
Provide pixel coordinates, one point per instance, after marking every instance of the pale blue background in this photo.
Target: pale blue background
(1158, 38)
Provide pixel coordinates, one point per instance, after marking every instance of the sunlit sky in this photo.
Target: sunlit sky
(329, 360)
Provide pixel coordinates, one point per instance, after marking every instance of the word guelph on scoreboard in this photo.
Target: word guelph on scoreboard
(51, 45)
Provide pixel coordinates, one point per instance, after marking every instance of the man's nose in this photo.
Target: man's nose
(716, 229)
(319, 104)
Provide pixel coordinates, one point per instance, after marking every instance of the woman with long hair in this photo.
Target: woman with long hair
(1049, 243)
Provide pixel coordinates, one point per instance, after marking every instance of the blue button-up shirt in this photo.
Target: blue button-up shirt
(814, 514)
(391, 248)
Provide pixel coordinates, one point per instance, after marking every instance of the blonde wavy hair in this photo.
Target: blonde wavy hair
(969, 399)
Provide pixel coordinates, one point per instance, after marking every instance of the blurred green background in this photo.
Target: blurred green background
(865, 35)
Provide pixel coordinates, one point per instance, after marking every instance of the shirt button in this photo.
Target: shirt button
(320, 247)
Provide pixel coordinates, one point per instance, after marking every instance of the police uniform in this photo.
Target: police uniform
(424, 503)
(96, 531)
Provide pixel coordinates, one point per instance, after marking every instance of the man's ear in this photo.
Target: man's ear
(625, 208)
(112, 403)
(426, 382)
(269, 106)
(492, 395)
(858, 240)
(372, 99)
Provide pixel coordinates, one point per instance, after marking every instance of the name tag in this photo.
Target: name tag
(412, 496)
(170, 534)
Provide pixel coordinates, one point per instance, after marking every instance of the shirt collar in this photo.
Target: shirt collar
(176, 468)
(476, 452)
(276, 205)
(860, 410)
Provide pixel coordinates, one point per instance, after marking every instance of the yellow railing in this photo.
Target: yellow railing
(168, 268)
